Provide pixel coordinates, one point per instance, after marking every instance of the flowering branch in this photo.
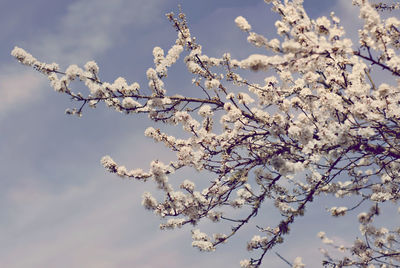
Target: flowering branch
(319, 124)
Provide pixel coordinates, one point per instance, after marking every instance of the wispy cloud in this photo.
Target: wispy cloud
(18, 88)
(91, 230)
(91, 27)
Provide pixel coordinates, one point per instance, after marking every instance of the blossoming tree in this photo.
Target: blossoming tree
(319, 124)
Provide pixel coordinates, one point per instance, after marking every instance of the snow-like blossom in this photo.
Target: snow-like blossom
(159, 171)
(172, 224)
(321, 234)
(323, 25)
(108, 162)
(201, 241)
(244, 98)
(149, 202)
(129, 103)
(338, 211)
(281, 27)
(245, 263)
(73, 71)
(158, 54)
(26, 58)
(297, 263)
(119, 84)
(173, 55)
(121, 171)
(214, 216)
(381, 196)
(242, 23)
(257, 40)
(205, 110)
(92, 67)
(213, 83)
(187, 185)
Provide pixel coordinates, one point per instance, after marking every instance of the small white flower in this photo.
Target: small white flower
(321, 234)
(129, 103)
(149, 202)
(91, 66)
(108, 163)
(205, 110)
(73, 71)
(213, 83)
(245, 263)
(338, 211)
(243, 24)
(187, 185)
(297, 263)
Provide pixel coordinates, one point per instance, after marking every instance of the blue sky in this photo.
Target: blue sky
(58, 206)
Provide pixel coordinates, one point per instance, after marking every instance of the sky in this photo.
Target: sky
(58, 206)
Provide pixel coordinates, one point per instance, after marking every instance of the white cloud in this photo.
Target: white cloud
(91, 27)
(17, 89)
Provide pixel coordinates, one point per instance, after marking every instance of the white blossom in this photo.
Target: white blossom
(242, 23)
(338, 211)
(205, 110)
(149, 202)
(25, 58)
(245, 263)
(201, 241)
(172, 224)
(187, 185)
(298, 263)
(213, 83)
(108, 163)
(92, 67)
